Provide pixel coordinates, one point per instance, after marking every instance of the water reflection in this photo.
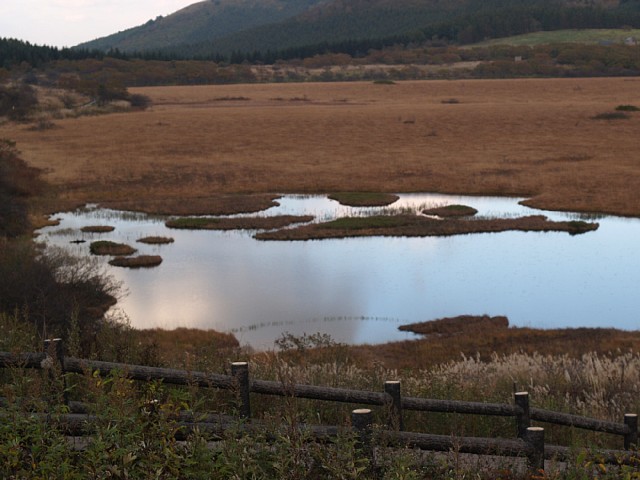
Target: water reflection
(359, 290)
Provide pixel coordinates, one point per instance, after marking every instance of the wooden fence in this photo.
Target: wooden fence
(528, 440)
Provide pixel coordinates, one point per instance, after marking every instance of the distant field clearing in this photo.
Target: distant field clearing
(586, 36)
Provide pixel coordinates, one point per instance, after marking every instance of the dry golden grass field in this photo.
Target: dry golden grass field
(199, 146)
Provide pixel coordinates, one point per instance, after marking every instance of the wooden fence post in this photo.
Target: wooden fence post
(523, 419)
(240, 373)
(535, 439)
(392, 388)
(631, 438)
(362, 421)
(54, 352)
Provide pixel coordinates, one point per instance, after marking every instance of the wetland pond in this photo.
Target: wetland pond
(359, 290)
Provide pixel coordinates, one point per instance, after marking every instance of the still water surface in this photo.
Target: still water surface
(360, 290)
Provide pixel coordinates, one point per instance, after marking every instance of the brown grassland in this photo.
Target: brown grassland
(192, 152)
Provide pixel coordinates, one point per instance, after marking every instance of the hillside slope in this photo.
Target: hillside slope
(201, 22)
(224, 26)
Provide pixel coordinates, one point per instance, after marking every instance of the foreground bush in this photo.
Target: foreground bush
(53, 291)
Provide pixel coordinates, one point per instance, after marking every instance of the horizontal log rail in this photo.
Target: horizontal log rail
(457, 406)
(576, 421)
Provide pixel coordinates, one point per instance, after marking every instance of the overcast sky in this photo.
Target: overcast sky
(65, 23)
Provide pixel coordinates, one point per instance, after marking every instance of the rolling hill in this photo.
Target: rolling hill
(225, 26)
(201, 22)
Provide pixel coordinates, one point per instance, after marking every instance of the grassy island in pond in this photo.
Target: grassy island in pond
(106, 247)
(155, 240)
(97, 229)
(241, 223)
(141, 261)
(418, 226)
(364, 199)
(451, 211)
